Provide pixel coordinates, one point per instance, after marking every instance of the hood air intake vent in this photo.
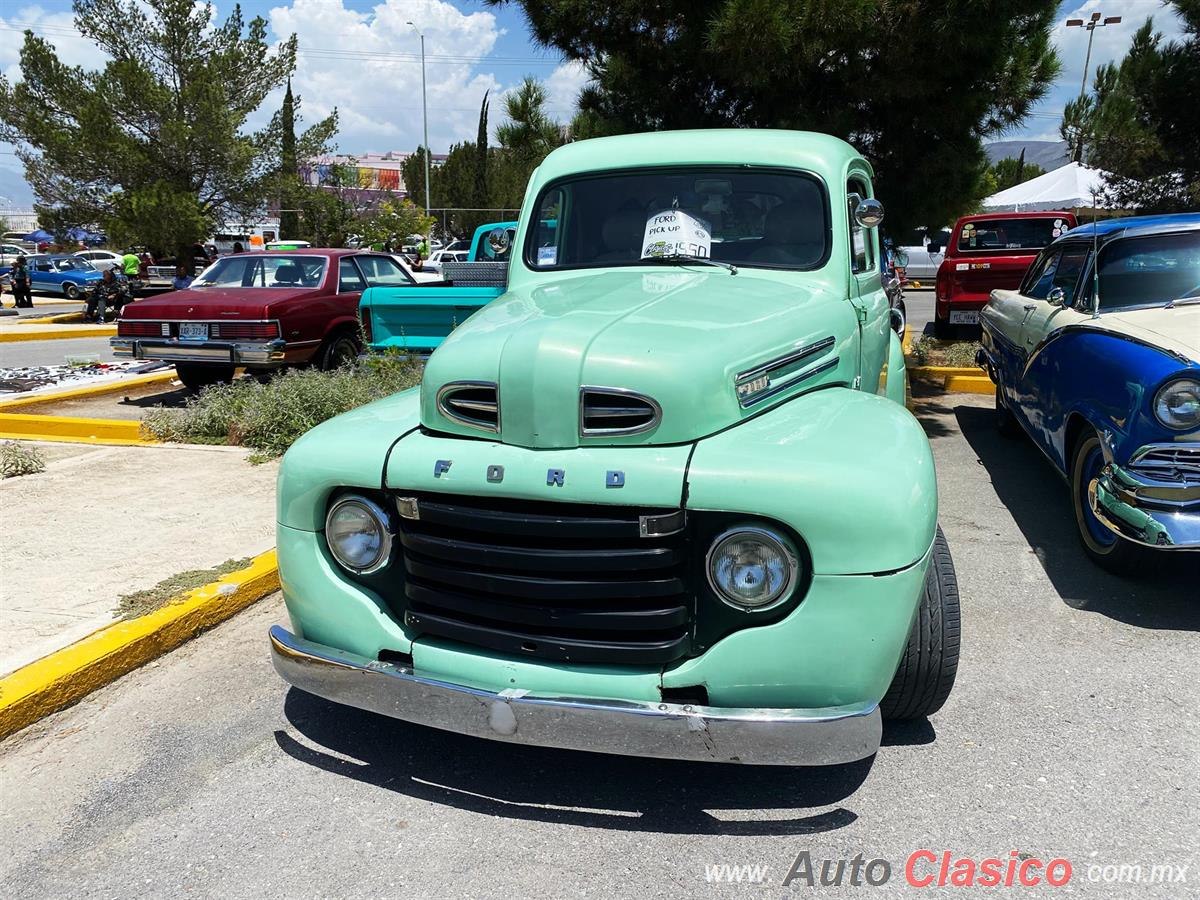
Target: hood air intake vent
(612, 412)
(472, 403)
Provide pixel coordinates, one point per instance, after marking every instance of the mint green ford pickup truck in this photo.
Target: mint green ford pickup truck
(662, 497)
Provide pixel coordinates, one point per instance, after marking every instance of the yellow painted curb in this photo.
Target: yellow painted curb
(68, 675)
(945, 371)
(93, 390)
(906, 344)
(61, 333)
(31, 427)
(55, 301)
(50, 320)
(970, 384)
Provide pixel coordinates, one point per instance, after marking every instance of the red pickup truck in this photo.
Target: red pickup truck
(989, 252)
(260, 311)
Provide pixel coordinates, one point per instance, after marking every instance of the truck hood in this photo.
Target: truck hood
(213, 303)
(676, 336)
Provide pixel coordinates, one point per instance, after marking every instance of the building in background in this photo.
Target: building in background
(374, 174)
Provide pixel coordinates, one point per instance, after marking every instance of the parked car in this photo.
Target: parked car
(924, 249)
(1100, 365)
(989, 252)
(61, 274)
(661, 498)
(101, 259)
(434, 263)
(261, 311)
(419, 276)
(10, 252)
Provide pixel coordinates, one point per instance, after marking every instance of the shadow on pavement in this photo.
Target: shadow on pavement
(564, 786)
(1165, 596)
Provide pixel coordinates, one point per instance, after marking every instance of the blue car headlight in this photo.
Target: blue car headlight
(1177, 404)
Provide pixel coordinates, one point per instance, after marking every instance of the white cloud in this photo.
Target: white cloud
(368, 66)
(563, 86)
(58, 28)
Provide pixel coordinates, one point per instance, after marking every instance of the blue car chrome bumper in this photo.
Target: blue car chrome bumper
(1158, 513)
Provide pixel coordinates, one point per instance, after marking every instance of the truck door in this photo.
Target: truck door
(866, 292)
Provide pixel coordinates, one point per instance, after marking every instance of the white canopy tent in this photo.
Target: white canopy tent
(1073, 186)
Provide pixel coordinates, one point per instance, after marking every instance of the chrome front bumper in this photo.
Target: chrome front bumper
(233, 352)
(787, 737)
(1162, 515)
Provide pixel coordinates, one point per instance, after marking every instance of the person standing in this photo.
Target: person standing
(183, 277)
(130, 263)
(22, 284)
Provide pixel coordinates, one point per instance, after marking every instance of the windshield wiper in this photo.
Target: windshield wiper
(698, 260)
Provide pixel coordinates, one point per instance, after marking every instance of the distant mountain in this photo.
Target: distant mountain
(14, 188)
(1050, 155)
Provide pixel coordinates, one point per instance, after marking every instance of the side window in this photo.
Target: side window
(1070, 266)
(547, 237)
(862, 246)
(349, 279)
(1041, 280)
(383, 271)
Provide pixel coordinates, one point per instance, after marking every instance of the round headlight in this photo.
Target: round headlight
(752, 568)
(358, 536)
(1177, 404)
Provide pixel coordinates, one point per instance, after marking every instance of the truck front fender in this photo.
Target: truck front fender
(851, 473)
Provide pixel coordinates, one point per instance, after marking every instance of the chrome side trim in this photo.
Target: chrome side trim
(789, 737)
(443, 395)
(655, 412)
(790, 383)
(787, 359)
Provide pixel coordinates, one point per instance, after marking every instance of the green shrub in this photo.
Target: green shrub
(962, 354)
(270, 417)
(920, 349)
(19, 459)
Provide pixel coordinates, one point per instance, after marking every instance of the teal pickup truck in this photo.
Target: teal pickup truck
(660, 498)
(417, 319)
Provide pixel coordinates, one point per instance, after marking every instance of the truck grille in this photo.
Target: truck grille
(557, 581)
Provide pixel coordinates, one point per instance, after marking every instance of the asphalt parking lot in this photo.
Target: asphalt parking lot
(1072, 733)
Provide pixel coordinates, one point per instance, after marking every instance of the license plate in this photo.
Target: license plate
(193, 331)
(964, 318)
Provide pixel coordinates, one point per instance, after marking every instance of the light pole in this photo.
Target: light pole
(425, 113)
(1091, 25)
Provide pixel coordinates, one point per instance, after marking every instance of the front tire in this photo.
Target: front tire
(929, 664)
(71, 290)
(1106, 549)
(197, 376)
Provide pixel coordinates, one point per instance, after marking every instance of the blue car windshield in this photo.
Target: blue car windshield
(1150, 271)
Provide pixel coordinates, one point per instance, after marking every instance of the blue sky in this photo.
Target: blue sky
(360, 56)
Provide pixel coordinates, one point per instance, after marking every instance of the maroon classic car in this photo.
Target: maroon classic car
(259, 311)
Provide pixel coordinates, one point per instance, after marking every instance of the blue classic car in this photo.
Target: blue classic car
(61, 274)
(1097, 356)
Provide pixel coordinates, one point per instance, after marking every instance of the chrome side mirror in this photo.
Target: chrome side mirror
(1056, 297)
(498, 241)
(868, 213)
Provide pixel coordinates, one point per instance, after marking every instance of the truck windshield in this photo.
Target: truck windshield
(1150, 271)
(763, 218)
(998, 235)
(254, 270)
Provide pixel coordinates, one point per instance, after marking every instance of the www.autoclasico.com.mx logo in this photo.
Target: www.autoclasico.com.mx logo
(928, 868)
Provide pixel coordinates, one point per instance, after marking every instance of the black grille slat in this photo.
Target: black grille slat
(561, 618)
(519, 643)
(496, 556)
(551, 580)
(502, 522)
(562, 590)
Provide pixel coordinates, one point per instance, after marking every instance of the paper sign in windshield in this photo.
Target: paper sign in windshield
(673, 232)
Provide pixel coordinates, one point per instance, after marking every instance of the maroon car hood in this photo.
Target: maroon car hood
(213, 303)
